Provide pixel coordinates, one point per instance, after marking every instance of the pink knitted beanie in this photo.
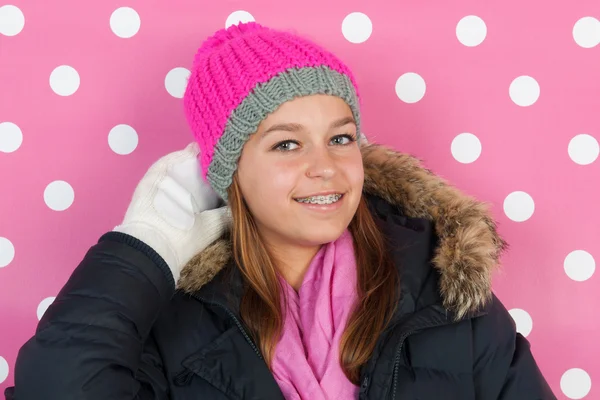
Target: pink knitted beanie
(242, 74)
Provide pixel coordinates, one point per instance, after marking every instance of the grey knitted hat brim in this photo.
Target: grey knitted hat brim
(264, 99)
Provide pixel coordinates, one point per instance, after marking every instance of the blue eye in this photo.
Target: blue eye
(344, 140)
(286, 145)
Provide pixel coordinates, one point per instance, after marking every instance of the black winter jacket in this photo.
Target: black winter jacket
(121, 329)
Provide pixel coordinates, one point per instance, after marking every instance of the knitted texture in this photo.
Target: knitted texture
(245, 72)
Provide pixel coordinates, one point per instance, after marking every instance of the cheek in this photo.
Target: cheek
(283, 179)
(267, 186)
(355, 172)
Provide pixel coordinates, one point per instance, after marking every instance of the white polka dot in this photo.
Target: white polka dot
(125, 22)
(524, 91)
(59, 195)
(176, 81)
(43, 306)
(11, 137)
(3, 369)
(122, 139)
(12, 20)
(410, 87)
(575, 383)
(357, 27)
(64, 80)
(523, 321)
(579, 265)
(466, 148)
(519, 206)
(237, 17)
(7, 252)
(471, 31)
(586, 32)
(584, 149)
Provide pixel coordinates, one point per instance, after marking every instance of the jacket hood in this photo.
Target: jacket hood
(469, 247)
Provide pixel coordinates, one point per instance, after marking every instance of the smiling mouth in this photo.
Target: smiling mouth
(321, 200)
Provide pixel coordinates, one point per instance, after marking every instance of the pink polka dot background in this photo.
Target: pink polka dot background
(500, 98)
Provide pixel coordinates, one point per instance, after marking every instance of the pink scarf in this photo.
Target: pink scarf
(306, 360)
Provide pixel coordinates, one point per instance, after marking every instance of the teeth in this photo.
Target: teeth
(330, 199)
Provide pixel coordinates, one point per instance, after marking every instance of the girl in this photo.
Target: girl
(332, 268)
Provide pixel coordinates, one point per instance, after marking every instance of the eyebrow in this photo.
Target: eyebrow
(295, 127)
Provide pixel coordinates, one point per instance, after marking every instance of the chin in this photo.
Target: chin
(321, 233)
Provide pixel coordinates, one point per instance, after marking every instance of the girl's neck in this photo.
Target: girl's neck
(292, 260)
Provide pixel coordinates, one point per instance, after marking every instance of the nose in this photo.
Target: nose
(321, 164)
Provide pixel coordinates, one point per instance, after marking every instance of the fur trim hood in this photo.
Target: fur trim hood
(469, 247)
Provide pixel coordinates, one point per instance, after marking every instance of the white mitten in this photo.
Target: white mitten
(173, 210)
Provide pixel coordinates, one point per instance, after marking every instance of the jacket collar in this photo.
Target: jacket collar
(468, 245)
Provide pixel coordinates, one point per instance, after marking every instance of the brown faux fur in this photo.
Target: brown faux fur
(469, 248)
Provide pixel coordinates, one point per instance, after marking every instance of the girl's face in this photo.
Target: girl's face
(305, 149)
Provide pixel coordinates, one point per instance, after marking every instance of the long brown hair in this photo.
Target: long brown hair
(377, 286)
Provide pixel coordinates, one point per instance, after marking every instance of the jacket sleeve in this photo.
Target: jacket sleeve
(504, 367)
(94, 340)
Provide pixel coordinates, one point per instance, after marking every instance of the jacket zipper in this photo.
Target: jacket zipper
(399, 348)
(237, 322)
(363, 387)
(397, 361)
(184, 377)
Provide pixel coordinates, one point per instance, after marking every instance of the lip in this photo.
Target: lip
(323, 208)
(320, 194)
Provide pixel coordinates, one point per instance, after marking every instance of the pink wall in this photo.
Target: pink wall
(501, 98)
